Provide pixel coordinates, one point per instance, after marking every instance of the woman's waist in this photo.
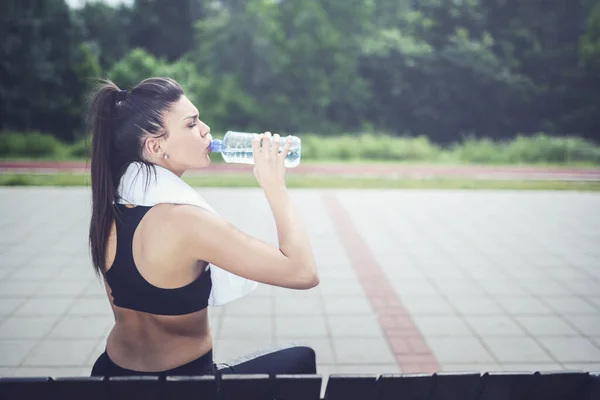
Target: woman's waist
(155, 351)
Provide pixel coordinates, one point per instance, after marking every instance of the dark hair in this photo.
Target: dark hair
(119, 122)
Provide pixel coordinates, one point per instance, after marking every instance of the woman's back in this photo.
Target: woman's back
(148, 273)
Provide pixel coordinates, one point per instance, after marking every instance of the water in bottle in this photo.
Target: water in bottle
(236, 147)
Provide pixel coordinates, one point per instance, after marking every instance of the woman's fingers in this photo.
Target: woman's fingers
(275, 144)
(256, 145)
(286, 149)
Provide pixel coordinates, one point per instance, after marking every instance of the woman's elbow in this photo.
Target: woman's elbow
(309, 281)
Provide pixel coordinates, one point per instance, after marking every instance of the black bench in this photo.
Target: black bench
(563, 385)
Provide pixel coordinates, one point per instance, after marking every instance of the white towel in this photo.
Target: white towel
(169, 188)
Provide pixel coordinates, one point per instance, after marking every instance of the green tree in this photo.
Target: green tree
(105, 30)
(44, 69)
(164, 28)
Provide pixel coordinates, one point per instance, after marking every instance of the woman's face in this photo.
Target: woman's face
(188, 141)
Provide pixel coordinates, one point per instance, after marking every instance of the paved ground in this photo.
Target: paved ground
(410, 281)
(389, 170)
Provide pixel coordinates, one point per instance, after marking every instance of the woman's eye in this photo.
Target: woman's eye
(192, 125)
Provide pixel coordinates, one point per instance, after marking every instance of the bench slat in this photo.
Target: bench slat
(298, 387)
(26, 388)
(135, 388)
(560, 385)
(350, 387)
(593, 389)
(247, 387)
(506, 385)
(83, 387)
(455, 385)
(411, 386)
(191, 387)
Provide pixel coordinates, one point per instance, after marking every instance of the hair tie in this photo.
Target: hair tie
(121, 95)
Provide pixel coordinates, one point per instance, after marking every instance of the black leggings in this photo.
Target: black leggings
(290, 359)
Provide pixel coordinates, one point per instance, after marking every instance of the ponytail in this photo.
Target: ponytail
(119, 123)
(101, 123)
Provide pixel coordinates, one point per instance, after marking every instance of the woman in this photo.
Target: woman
(154, 259)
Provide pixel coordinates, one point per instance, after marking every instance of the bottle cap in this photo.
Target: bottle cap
(216, 145)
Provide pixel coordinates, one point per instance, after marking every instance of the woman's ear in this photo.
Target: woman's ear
(153, 147)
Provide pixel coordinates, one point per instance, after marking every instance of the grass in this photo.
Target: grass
(538, 149)
(310, 181)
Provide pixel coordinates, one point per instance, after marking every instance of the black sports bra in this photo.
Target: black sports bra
(130, 289)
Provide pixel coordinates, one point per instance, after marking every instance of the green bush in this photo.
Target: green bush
(29, 144)
(537, 149)
(553, 150)
(81, 149)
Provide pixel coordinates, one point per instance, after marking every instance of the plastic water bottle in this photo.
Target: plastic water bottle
(236, 147)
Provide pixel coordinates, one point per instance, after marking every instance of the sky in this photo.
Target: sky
(79, 3)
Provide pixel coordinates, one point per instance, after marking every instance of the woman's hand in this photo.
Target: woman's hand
(269, 163)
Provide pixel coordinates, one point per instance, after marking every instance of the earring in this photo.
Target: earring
(165, 156)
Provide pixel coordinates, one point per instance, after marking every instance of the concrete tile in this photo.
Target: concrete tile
(523, 305)
(571, 349)
(469, 287)
(585, 367)
(560, 273)
(503, 288)
(46, 371)
(344, 326)
(481, 305)
(249, 306)
(547, 325)
(300, 327)
(419, 287)
(8, 305)
(595, 300)
(91, 306)
(532, 367)
(493, 325)
(54, 260)
(62, 288)
(544, 287)
(307, 306)
(570, 305)
(327, 369)
(6, 372)
(431, 326)
(81, 327)
(60, 353)
(13, 352)
(404, 272)
(44, 306)
(514, 349)
(33, 273)
(26, 327)
(454, 350)
(94, 289)
(362, 351)
(480, 368)
(583, 286)
(347, 306)
(14, 289)
(246, 327)
(588, 325)
(342, 288)
(14, 259)
(83, 273)
(6, 272)
(296, 294)
(426, 305)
